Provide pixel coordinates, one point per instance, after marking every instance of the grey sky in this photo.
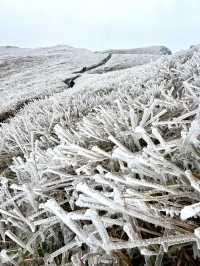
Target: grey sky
(100, 24)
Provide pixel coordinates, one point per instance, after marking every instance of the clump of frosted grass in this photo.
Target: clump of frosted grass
(98, 182)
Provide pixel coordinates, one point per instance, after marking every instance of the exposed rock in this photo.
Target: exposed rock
(70, 81)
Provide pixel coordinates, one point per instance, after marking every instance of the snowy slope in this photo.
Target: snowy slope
(31, 73)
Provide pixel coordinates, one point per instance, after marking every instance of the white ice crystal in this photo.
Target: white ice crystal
(105, 169)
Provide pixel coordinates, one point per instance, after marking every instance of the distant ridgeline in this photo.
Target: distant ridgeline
(157, 50)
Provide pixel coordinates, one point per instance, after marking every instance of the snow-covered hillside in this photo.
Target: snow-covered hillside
(26, 74)
(106, 170)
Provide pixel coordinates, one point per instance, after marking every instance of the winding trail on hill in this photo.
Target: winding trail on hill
(102, 62)
(70, 82)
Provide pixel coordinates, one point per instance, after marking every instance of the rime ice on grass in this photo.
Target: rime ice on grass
(105, 169)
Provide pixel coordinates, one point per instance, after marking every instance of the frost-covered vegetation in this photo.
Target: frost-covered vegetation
(106, 172)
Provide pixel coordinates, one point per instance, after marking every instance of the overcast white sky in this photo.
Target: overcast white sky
(100, 24)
